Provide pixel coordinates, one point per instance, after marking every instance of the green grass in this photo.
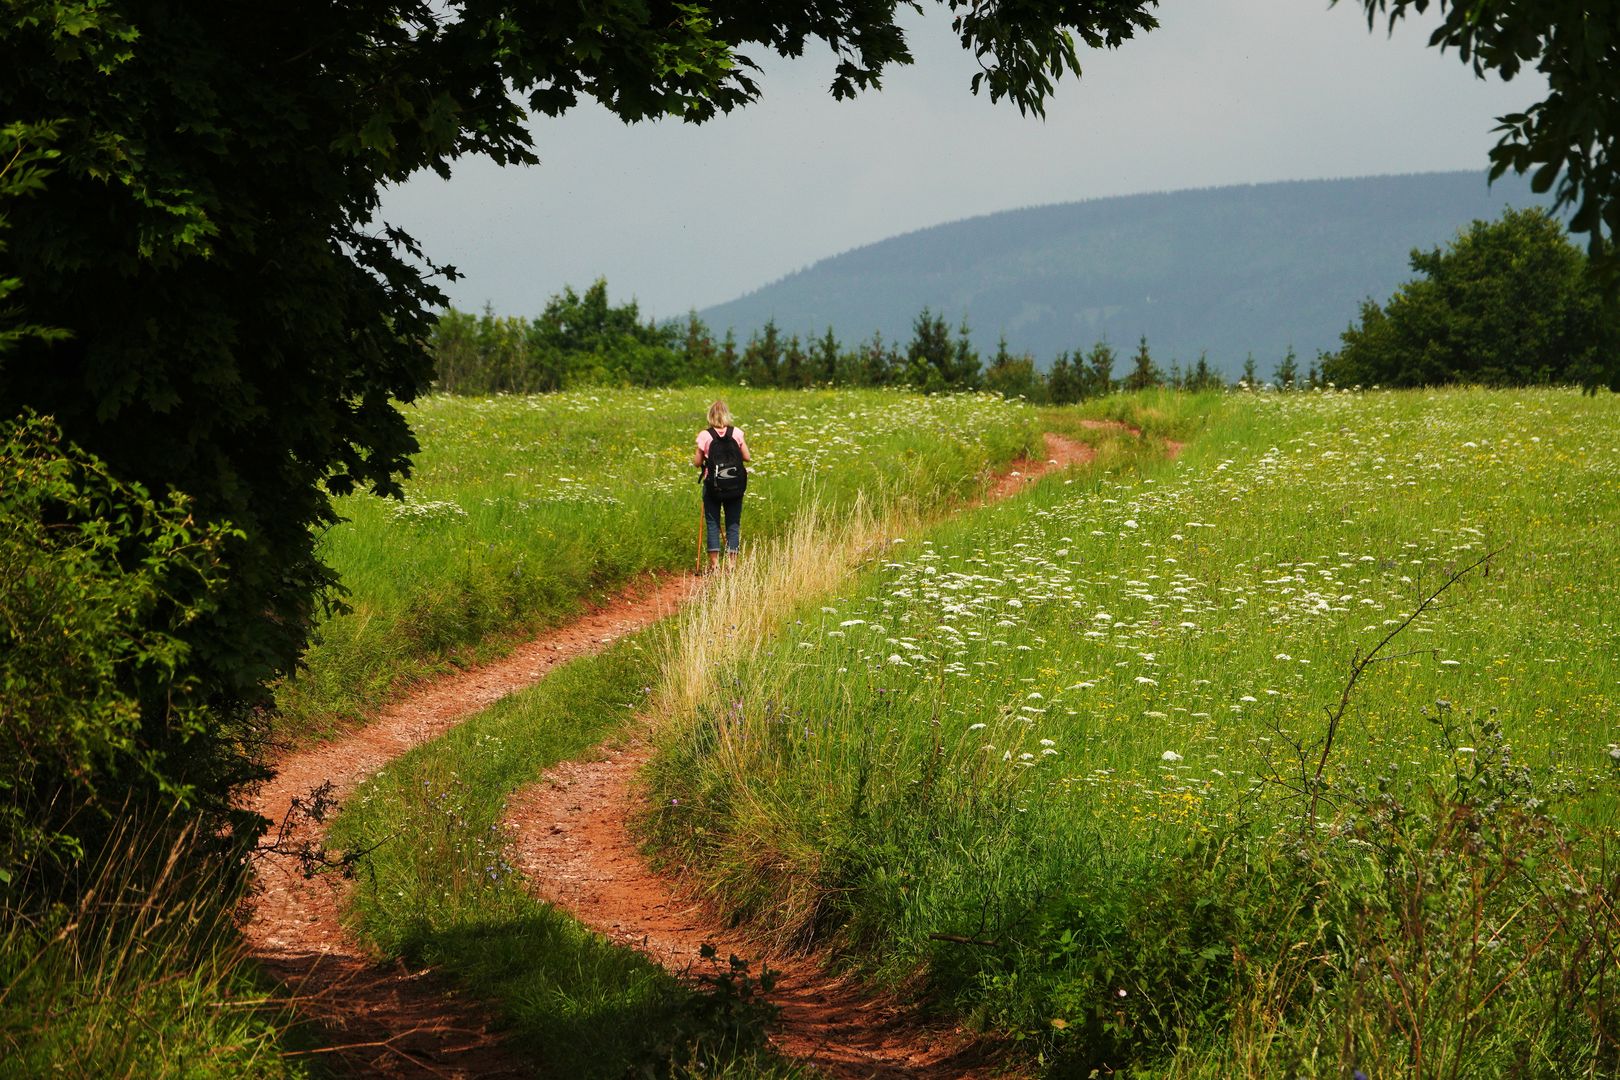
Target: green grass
(1055, 725)
(523, 508)
(440, 891)
(145, 975)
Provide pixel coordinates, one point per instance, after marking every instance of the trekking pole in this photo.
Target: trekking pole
(703, 525)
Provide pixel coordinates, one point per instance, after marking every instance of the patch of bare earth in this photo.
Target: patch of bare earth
(574, 845)
(1061, 453)
(380, 1018)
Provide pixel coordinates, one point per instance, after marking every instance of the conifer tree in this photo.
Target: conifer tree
(929, 356)
(761, 362)
(827, 358)
(1063, 381)
(1099, 380)
(1287, 373)
(966, 373)
(1144, 374)
(1203, 377)
(727, 362)
(795, 373)
(698, 348)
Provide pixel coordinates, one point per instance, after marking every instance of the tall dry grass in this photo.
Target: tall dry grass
(742, 608)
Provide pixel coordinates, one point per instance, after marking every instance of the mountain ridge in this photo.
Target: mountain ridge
(1218, 270)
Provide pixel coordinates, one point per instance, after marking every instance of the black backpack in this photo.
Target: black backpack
(723, 474)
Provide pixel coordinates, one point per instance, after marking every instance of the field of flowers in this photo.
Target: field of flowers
(524, 507)
(1057, 753)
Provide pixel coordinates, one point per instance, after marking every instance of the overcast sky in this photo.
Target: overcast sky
(681, 216)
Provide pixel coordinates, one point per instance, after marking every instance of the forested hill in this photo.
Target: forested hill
(1229, 270)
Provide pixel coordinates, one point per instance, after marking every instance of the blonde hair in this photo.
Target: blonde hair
(719, 415)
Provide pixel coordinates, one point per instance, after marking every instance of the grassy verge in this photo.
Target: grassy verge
(1075, 729)
(440, 891)
(144, 976)
(522, 508)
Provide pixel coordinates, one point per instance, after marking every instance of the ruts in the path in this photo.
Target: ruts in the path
(380, 1019)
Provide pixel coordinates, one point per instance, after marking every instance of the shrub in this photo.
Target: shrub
(99, 705)
(1507, 303)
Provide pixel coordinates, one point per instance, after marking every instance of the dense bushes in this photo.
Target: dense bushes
(101, 705)
(118, 954)
(1508, 303)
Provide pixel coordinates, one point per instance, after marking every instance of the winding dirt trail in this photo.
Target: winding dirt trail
(381, 1019)
(574, 845)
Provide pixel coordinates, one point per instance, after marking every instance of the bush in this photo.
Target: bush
(99, 705)
(142, 974)
(1508, 303)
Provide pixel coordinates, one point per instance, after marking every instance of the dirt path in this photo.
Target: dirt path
(381, 1019)
(573, 844)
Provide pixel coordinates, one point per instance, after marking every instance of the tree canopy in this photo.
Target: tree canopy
(1570, 140)
(196, 289)
(1508, 303)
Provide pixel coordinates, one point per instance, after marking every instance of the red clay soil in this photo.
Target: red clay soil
(1061, 453)
(380, 1019)
(574, 846)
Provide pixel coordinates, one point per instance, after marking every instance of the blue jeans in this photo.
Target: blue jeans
(712, 506)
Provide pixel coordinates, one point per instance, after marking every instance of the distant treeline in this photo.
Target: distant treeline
(1507, 303)
(583, 340)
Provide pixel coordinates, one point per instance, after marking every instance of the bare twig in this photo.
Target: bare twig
(1359, 664)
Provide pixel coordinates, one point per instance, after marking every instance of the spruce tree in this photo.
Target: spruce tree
(1099, 381)
(698, 351)
(727, 362)
(966, 373)
(1203, 377)
(1287, 373)
(1251, 377)
(827, 356)
(930, 354)
(761, 361)
(1145, 374)
(1063, 381)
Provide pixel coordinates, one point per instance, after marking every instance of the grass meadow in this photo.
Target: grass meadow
(1048, 765)
(1055, 766)
(523, 508)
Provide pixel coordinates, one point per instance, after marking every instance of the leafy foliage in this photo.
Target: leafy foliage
(100, 701)
(235, 323)
(1570, 138)
(1508, 303)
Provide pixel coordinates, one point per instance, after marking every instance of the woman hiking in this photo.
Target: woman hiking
(721, 451)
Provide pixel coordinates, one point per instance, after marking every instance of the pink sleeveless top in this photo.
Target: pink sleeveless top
(706, 436)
